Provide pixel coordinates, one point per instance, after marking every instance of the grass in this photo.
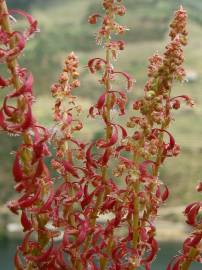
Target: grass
(64, 28)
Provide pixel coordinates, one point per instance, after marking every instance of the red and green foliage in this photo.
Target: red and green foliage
(60, 214)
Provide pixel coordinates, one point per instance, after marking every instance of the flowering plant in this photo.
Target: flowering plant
(115, 175)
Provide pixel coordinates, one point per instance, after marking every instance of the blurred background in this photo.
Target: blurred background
(64, 28)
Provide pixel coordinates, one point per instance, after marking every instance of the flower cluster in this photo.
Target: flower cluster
(116, 175)
(112, 8)
(149, 144)
(67, 214)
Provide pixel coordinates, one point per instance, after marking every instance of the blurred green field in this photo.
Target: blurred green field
(64, 28)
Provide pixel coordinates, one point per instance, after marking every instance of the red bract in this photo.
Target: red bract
(33, 24)
(95, 64)
(93, 18)
(129, 79)
(192, 212)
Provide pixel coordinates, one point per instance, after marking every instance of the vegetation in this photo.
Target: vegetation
(44, 56)
(116, 173)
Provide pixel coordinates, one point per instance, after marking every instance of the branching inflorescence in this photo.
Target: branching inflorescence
(116, 175)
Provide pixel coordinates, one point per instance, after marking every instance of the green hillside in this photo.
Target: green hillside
(64, 28)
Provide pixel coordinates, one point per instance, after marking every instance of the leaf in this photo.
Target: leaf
(192, 214)
(86, 197)
(47, 205)
(26, 88)
(3, 82)
(130, 80)
(112, 140)
(43, 257)
(89, 158)
(17, 261)
(27, 200)
(143, 169)
(17, 171)
(26, 223)
(171, 144)
(103, 160)
(153, 251)
(101, 102)
(84, 226)
(70, 168)
(93, 62)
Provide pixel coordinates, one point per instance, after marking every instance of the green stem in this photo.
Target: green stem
(188, 261)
